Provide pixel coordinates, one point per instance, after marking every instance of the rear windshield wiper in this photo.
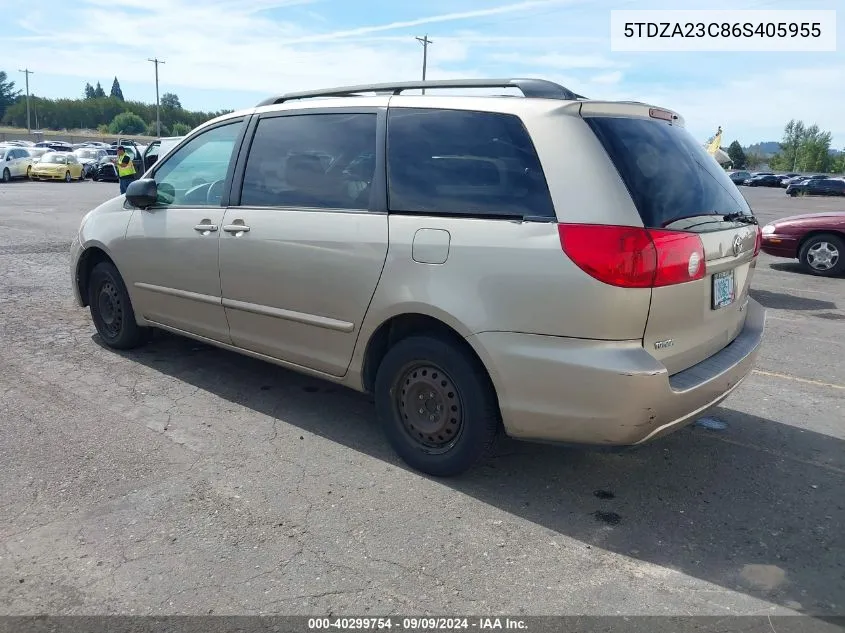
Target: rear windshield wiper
(740, 217)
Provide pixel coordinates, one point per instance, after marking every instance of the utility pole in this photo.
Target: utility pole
(425, 42)
(157, 61)
(27, 72)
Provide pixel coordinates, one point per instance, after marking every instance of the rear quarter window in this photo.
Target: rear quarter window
(465, 163)
(668, 174)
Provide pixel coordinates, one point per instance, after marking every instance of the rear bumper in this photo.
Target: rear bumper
(611, 393)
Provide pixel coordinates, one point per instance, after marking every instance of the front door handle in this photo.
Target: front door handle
(236, 228)
(205, 228)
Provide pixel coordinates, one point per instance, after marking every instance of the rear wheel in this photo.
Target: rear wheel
(436, 405)
(111, 309)
(823, 255)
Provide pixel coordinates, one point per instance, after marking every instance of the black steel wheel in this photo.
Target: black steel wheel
(111, 309)
(436, 405)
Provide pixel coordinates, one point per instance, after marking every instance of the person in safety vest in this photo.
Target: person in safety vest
(125, 168)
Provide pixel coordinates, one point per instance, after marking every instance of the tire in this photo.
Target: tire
(460, 420)
(823, 255)
(111, 309)
(95, 177)
(7, 175)
(67, 176)
(29, 172)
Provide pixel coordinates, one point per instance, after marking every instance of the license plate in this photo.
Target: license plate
(724, 289)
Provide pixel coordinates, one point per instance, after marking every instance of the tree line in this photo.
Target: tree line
(108, 113)
(804, 148)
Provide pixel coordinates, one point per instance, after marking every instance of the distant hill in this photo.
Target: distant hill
(765, 148)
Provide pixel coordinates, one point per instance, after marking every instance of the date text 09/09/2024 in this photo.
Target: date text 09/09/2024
(416, 624)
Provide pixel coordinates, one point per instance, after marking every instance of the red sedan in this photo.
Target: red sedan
(817, 240)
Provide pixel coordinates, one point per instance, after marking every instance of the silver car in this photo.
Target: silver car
(559, 268)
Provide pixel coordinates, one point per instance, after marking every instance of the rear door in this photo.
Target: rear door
(677, 186)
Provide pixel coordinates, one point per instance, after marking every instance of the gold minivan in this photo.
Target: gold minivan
(559, 268)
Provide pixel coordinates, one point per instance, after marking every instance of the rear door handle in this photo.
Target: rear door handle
(205, 228)
(236, 228)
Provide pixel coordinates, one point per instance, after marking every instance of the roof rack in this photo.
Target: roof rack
(537, 88)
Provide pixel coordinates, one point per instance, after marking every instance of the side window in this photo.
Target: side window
(463, 163)
(194, 175)
(318, 161)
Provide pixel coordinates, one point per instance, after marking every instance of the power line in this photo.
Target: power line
(27, 72)
(425, 42)
(157, 61)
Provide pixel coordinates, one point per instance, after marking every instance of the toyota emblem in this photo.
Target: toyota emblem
(737, 244)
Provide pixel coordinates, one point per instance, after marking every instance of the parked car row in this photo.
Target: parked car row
(57, 160)
(795, 184)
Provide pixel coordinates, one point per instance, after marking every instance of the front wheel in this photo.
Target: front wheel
(7, 175)
(29, 172)
(111, 309)
(823, 255)
(67, 176)
(436, 405)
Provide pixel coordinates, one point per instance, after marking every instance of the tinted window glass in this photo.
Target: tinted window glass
(669, 175)
(324, 161)
(194, 175)
(459, 162)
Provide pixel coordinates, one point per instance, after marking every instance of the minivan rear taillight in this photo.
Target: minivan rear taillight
(634, 257)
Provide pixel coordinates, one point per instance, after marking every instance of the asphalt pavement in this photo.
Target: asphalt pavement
(180, 479)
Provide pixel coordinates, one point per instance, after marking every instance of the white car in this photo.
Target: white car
(15, 162)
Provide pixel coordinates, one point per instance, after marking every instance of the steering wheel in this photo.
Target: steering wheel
(215, 192)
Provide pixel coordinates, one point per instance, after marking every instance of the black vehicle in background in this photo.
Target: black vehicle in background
(739, 177)
(817, 187)
(763, 180)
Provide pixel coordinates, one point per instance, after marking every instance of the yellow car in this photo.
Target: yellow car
(57, 166)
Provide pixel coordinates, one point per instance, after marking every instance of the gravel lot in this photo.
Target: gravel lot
(182, 479)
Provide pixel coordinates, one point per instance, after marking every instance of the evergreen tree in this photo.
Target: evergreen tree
(99, 93)
(737, 155)
(89, 91)
(115, 90)
(8, 94)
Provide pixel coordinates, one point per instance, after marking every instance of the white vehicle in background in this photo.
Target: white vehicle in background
(37, 152)
(15, 162)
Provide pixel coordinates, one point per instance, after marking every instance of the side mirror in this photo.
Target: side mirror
(142, 193)
(8, 158)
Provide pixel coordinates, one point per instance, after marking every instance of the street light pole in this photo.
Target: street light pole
(27, 72)
(157, 61)
(425, 42)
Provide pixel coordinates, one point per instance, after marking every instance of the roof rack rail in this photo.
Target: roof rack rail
(537, 88)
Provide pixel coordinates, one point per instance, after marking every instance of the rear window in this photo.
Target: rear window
(668, 174)
(464, 163)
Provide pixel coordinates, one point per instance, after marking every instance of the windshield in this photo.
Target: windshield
(668, 174)
(86, 153)
(54, 158)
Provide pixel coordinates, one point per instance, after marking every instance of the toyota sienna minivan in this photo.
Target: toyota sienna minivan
(558, 268)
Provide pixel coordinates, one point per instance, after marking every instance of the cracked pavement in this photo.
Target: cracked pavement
(180, 479)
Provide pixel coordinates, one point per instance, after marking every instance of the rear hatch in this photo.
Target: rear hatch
(677, 186)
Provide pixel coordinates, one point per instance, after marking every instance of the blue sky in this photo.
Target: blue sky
(232, 53)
